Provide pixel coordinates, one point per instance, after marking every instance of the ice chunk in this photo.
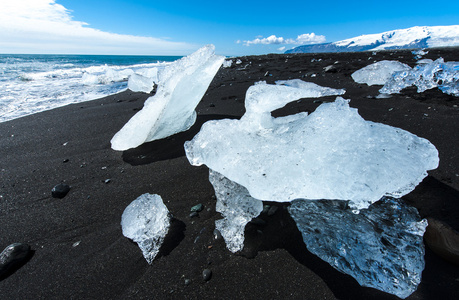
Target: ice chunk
(331, 154)
(320, 91)
(419, 53)
(379, 73)
(237, 207)
(426, 76)
(139, 83)
(381, 247)
(146, 221)
(227, 63)
(181, 86)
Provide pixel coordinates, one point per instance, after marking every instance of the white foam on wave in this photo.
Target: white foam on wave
(28, 87)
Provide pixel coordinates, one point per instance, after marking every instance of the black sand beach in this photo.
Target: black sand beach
(79, 249)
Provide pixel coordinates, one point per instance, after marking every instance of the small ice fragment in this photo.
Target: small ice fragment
(424, 61)
(237, 207)
(182, 84)
(379, 73)
(319, 91)
(332, 153)
(139, 83)
(383, 96)
(227, 63)
(381, 247)
(146, 221)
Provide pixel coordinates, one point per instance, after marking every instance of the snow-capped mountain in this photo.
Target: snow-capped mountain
(411, 38)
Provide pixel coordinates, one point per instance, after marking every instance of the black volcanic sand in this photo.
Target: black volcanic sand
(79, 249)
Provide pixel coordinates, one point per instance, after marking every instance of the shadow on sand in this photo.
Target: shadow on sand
(167, 148)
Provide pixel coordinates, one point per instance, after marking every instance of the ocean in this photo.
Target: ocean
(34, 83)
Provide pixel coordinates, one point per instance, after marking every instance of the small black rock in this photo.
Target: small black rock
(206, 274)
(12, 256)
(194, 214)
(217, 234)
(258, 221)
(197, 208)
(272, 210)
(60, 190)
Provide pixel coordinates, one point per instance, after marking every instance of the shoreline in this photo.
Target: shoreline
(80, 252)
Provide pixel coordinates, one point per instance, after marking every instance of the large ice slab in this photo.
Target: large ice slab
(441, 74)
(237, 207)
(331, 154)
(381, 247)
(379, 72)
(146, 221)
(181, 86)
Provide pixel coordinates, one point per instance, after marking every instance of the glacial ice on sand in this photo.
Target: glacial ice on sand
(140, 83)
(237, 207)
(331, 154)
(444, 75)
(379, 73)
(381, 247)
(171, 110)
(146, 221)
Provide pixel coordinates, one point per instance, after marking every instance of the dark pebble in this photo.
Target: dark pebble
(217, 234)
(187, 282)
(206, 274)
(211, 105)
(197, 208)
(66, 160)
(60, 190)
(107, 181)
(194, 214)
(258, 221)
(272, 210)
(266, 208)
(12, 256)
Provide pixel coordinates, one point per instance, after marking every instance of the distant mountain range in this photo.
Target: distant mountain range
(417, 37)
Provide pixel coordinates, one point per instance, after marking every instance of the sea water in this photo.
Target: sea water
(34, 83)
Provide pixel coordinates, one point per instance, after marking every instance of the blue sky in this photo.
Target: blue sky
(180, 27)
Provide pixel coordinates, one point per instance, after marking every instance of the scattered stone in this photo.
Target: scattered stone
(187, 282)
(330, 69)
(272, 210)
(266, 208)
(258, 221)
(12, 256)
(443, 240)
(217, 234)
(66, 160)
(107, 181)
(60, 190)
(206, 274)
(194, 214)
(197, 208)
(211, 105)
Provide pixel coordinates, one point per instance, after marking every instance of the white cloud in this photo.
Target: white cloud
(43, 26)
(281, 48)
(306, 38)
